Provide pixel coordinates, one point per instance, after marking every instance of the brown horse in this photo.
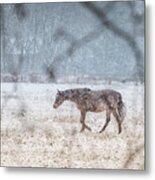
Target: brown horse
(94, 101)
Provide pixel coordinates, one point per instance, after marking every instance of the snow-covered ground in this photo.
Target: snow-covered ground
(35, 134)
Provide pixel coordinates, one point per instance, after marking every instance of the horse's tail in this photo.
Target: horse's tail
(121, 109)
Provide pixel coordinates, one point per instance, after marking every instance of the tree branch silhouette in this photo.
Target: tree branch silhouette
(120, 32)
(75, 43)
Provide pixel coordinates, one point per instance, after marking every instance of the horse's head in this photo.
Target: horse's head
(60, 97)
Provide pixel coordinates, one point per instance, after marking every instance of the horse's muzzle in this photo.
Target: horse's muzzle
(54, 106)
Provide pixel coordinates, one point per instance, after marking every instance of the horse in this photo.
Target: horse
(88, 100)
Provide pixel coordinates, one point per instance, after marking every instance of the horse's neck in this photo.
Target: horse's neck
(72, 97)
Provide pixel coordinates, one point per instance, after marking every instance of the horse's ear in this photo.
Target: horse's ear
(59, 92)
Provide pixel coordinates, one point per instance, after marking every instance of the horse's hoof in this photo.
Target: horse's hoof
(89, 129)
(119, 132)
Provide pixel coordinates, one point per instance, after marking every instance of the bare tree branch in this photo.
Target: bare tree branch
(75, 44)
(118, 31)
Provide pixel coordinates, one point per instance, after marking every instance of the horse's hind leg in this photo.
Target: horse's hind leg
(107, 121)
(87, 127)
(118, 121)
(82, 120)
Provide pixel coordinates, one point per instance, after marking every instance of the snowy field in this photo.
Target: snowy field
(33, 134)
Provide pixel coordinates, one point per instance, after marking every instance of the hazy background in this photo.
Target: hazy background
(71, 45)
(63, 42)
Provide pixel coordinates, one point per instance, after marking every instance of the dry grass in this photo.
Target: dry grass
(42, 137)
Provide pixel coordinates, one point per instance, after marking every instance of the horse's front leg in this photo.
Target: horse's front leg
(107, 120)
(82, 120)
